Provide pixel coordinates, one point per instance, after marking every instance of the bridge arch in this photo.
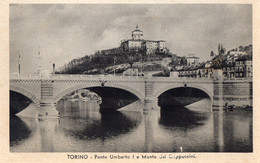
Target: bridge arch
(166, 88)
(81, 86)
(26, 93)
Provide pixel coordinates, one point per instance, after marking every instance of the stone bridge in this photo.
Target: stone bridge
(48, 91)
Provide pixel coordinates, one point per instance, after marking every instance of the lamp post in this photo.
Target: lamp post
(131, 61)
(131, 64)
(39, 64)
(141, 57)
(19, 67)
(53, 68)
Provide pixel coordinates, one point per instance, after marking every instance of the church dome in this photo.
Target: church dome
(137, 34)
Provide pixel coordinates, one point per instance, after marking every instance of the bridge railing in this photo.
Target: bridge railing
(181, 79)
(238, 80)
(79, 77)
(66, 76)
(108, 77)
(111, 77)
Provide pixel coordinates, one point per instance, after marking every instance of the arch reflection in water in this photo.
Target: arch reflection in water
(109, 125)
(184, 130)
(181, 96)
(82, 128)
(82, 120)
(78, 109)
(19, 131)
(181, 117)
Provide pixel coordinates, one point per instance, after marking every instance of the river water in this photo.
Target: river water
(82, 128)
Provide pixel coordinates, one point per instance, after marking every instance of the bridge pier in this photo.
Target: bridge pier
(47, 104)
(218, 101)
(48, 108)
(150, 103)
(48, 112)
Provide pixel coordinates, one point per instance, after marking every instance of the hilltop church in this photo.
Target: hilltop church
(138, 43)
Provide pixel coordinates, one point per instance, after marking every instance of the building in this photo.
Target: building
(188, 72)
(235, 54)
(201, 71)
(131, 72)
(138, 43)
(229, 70)
(212, 55)
(248, 69)
(230, 59)
(135, 42)
(241, 68)
(137, 34)
(128, 45)
(236, 64)
(151, 47)
(192, 60)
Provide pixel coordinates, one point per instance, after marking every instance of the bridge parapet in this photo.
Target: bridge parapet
(181, 79)
(110, 77)
(80, 77)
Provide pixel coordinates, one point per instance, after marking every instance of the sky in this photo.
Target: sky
(64, 32)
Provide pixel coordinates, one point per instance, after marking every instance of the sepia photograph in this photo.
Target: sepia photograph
(131, 78)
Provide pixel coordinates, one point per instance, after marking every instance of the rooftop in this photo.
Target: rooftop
(137, 29)
(141, 40)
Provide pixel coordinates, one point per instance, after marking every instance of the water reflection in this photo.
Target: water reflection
(109, 125)
(181, 117)
(47, 129)
(67, 108)
(82, 120)
(150, 120)
(19, 131)
(237, 131)
(82, 128)
(218, 131)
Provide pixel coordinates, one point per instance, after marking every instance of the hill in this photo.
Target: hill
(101, 62)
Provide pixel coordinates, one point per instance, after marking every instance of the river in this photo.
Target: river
(82, 128)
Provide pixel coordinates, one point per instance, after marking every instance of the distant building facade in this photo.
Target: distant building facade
(235, 64)
(192, 60)
(138, 43)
